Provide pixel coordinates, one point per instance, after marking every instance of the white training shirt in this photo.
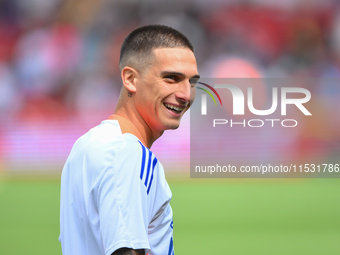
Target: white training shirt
(113, 195)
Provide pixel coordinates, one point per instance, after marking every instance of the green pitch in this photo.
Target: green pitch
(296, 216)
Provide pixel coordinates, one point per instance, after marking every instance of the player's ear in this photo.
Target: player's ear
(129, 76)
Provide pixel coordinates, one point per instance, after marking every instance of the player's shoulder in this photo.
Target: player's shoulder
(105, 138)
(108, 137)
(135, 149)
(105, 131)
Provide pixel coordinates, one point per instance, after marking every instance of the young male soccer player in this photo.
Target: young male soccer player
(114, 196)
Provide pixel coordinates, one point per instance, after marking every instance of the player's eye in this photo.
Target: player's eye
(193, 81)
(171, 78)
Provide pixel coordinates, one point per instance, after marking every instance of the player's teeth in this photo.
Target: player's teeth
(172, 107)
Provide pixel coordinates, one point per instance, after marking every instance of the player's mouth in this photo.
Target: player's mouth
(174, 108)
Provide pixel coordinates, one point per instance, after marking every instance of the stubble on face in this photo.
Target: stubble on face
(165, 90)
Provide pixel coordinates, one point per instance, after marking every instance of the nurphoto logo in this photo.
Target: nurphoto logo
(264, 128)
(281, 97)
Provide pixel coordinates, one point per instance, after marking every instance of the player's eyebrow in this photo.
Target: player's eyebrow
(164, 73)
(197, 76)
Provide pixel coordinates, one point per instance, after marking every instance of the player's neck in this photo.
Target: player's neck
(133, 126)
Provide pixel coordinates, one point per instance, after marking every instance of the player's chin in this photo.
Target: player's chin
(172, 124)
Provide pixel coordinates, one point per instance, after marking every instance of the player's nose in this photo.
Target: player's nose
(184, 92)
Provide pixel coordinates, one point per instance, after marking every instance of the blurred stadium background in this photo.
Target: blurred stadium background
(59, 77)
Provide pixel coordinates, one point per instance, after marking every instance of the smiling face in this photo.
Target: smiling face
(165, 89)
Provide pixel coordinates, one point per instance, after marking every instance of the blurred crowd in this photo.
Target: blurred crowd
(59, 62)
(59, 58)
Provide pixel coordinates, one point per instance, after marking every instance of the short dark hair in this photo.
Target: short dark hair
(138, 45)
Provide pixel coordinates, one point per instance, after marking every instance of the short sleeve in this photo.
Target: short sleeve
(122, 202)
